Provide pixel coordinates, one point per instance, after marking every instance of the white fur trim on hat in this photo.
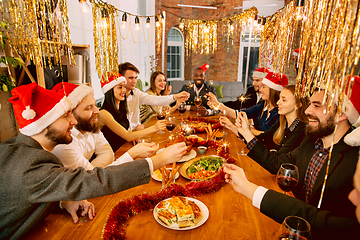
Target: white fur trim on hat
(259, 74)
(28, 113)
(272, 85)
(51, 116)
(78, 94)
(112, 84)
(353, 138)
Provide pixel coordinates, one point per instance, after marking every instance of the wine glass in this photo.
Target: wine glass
(197, 102)
(287, 177)
(82, 219)
(182, 109)
(223, 114)
(171, 124)
(294, 228)
(161, 114)
(144, 139)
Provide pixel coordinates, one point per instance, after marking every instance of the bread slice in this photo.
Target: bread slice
(185, 223)
(167, 217)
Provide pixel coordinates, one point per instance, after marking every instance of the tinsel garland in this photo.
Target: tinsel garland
(125, 209)
(105, 39)
(202, 36)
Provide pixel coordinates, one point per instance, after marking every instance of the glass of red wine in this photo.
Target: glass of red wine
(160, 115)
(287, 177)
(171, 124)
(294, 228)
(182, 109)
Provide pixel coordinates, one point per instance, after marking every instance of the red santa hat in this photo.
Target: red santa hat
(297, 52)
(352, 111)
(110, 81)
(204, 67)
(275, 81)
(75, 93)
(36, 108)
(260, 72)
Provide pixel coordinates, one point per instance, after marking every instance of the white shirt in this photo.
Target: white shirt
(137, 98)
(258, 196)
(83, 146)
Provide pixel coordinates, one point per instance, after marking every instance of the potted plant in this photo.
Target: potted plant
(7, 82)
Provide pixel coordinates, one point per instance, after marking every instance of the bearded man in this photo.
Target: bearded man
(89, 147)
(329, 212)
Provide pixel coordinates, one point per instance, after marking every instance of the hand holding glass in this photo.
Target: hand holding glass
(161, 114)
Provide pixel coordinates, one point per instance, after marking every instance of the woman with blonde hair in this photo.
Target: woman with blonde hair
(158, 87)
(285, 135)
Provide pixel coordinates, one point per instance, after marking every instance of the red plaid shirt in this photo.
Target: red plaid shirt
(316, 163)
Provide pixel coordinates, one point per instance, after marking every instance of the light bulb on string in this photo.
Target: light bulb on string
(162, 17)
(181, 25)
(206, 28)
(157, 23)
(84, 6)
(137, 23)
(104, 17)
(148, 22)
(123, 21)
(299, 10)
(255, 23)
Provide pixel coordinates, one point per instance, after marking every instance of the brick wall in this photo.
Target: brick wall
(224, 62)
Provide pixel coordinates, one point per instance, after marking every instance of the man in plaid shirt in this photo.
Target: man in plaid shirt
(335, 217)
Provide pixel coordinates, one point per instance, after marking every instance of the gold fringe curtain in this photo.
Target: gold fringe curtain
(38, 30)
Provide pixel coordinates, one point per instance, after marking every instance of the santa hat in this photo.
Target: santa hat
(204, 67)
(352, 111)
(260, 72)
(275, 81)
(297, 52)
(36, 108)
(111, 81)
(75, 93)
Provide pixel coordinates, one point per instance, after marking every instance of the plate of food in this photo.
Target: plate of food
(181, 213)
(202, 168)
(187, 157)
(158, 176)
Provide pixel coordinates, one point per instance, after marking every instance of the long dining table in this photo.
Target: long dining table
(231, 215)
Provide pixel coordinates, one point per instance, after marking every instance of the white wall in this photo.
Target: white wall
(81, 31)
(262, 8)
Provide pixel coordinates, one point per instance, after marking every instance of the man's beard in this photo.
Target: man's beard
(198, 85)
(322, 130)
(57, 137)
(88, 125)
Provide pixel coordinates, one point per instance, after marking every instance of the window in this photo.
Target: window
(243, 57)
(175, 55)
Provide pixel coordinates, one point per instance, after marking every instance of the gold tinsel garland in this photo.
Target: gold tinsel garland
(105, 40)
(202, 36)
(39, 30)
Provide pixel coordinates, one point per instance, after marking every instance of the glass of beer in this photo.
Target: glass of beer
(197, 102)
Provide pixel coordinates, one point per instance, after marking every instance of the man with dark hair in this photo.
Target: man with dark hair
(135, 97)
(329, 212)
(33, 179)
(199, 88)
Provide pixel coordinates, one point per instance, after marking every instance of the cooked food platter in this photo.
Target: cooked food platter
(202, 168)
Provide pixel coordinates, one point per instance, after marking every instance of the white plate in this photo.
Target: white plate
(185, 158)
(203, 217)
(155, 176)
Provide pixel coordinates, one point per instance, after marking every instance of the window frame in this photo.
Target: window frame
(182, 53)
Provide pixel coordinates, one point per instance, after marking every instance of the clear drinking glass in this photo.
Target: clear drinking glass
(287, 177)
(160, 115)
(171, 124)
(182, 109)
(197, 102)
(294, 228)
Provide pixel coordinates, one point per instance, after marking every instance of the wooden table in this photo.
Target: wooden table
(232, 215)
